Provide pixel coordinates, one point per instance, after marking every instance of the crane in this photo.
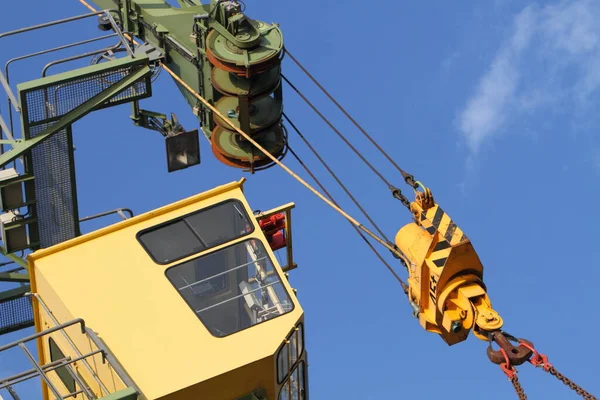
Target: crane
(236, 95)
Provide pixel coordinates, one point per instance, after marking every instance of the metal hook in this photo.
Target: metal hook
(516, 354)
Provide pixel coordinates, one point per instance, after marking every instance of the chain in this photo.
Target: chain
(578, 389)
(518, 388)
(506, 357)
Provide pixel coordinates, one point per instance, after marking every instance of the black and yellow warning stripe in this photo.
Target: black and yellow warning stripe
(440, 253)
(435, 219)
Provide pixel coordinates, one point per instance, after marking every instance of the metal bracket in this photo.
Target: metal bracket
(287, 209)
(153, 53)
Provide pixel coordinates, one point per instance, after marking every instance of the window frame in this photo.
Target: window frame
(303, 364)
(182, 217)
(238, 241)
(284, 345)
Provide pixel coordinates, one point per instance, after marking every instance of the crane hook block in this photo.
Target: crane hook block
(445, 275)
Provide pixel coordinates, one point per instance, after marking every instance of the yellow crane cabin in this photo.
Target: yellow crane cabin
(187, 300)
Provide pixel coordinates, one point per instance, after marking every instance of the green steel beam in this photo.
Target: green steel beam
(80, 73)
(16, 179)
(16, 259)
(125, 394)
(14, 293)
(14, 277)
(168, 29)
(77, 113)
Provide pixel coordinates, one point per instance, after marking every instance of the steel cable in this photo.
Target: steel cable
(350, 145)
(407, 177)
(309, 172)
(260, 148)
(334, 175)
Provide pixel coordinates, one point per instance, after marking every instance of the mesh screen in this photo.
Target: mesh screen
(55, 101)
(15, 314)
(54, 188)
(53, 165)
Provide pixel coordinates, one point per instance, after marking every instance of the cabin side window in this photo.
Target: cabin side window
(196, 232)
(295, 387)
(233, 288)
(289, 354)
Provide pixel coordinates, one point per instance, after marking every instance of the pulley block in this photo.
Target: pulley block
(230, 84)
(233, 150)
(224, 54)
(262, 113)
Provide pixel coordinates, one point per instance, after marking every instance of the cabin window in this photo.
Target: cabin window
(295, 387)
(196, 232)
(63, 373)
(290, 353)
(233, 288)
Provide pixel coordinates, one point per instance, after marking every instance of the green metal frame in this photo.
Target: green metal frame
(14, 293)
(16, 259)
(125, 394)
(21, 147)
(14, 277)
(11, 294)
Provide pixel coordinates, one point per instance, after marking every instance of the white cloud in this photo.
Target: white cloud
(485, 111)
(571, 26)
(552, 53)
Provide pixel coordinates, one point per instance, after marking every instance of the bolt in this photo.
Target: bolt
(455, 327)
(232, 114)
(489, 317)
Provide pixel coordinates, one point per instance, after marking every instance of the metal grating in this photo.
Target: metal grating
(15, 314)
(52, 161)
(53, 102)
(55, 190)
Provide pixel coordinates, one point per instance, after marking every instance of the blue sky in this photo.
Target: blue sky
(491, 104)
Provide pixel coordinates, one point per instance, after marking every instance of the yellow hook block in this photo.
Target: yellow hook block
(445, 275)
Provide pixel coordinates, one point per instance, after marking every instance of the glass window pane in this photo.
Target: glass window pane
(301, 382)
(295, 387)
(171, 242)
(285, 392)
(282, 363)
(293, 348)
(217, 225)
(233, 288)
(289, 353)
(197, 232)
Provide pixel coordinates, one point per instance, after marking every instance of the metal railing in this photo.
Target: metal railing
(66, 362)
(13, 103)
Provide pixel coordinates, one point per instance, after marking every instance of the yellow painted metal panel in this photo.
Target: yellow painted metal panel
(137, 219)
(107, 278)
(84, 345)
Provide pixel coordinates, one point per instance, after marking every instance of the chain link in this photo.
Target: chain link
(578, 389)
(518, 388)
